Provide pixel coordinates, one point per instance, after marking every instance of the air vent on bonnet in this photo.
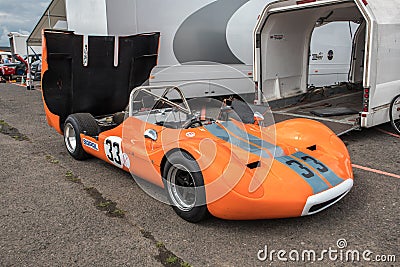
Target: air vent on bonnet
(254, 165)
(312, 148)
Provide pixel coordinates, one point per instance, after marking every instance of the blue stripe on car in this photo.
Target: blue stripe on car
(318, 185)
(253, 139)
(221, 133)
(332, 178)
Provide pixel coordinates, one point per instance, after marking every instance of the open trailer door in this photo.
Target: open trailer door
(281, 68)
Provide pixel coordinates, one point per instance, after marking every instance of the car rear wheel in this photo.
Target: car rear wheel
(184, 185)
(74, 125)
(395, 113)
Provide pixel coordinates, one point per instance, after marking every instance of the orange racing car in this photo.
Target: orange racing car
(223, 158)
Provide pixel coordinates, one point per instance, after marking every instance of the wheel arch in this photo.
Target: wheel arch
(165, 157)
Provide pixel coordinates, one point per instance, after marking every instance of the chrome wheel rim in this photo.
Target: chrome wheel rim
(181, 187)
(70, 138)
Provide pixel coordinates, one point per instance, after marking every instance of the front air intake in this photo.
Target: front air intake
(324, 205)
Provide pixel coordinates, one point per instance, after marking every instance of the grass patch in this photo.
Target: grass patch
(75, 180)
(104, 204)
(165, 256)
(171, 260)
(6, 129)
(52, 160)
(117, 213)
(72, 178)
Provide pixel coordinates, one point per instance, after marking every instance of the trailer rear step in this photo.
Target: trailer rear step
(339, 128)
(339, 113)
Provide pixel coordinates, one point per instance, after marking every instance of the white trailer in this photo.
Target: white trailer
(18, 44)
(281, 65)
(209, 32)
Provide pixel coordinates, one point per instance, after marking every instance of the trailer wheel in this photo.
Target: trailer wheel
(395, 113)
(74, 125)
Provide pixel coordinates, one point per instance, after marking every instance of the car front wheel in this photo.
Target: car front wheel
(184, 185)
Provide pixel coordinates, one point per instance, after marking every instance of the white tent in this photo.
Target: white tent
(53, 18)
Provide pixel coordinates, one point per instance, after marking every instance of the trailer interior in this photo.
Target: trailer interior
(284, 47)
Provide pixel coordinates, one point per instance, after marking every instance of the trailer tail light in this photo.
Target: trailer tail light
(365, 2)
(366, 100)
(366, 93)
(305, 2)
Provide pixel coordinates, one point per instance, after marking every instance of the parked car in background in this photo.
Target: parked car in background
(4, 55)
(18, 66)
(32, 58)
(7, 70)
(36, 69)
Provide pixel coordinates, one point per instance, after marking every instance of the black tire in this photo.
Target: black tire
(74, 125)
(395, 120)
(180, 164)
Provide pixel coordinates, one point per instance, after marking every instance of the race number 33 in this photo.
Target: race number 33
(112, 149)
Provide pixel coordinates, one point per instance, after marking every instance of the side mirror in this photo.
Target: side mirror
(151, 134)
(258, 118)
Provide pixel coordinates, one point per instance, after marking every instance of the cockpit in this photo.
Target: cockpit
(169, 108)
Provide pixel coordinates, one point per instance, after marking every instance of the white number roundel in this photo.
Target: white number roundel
(113, 150)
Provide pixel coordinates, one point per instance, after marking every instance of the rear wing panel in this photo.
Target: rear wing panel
(102, 86)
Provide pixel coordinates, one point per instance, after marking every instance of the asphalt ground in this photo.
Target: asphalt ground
(52, 212)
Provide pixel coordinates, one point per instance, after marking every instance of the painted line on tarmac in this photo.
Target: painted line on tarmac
(24, 86)
(376, 171)
(389, 133)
